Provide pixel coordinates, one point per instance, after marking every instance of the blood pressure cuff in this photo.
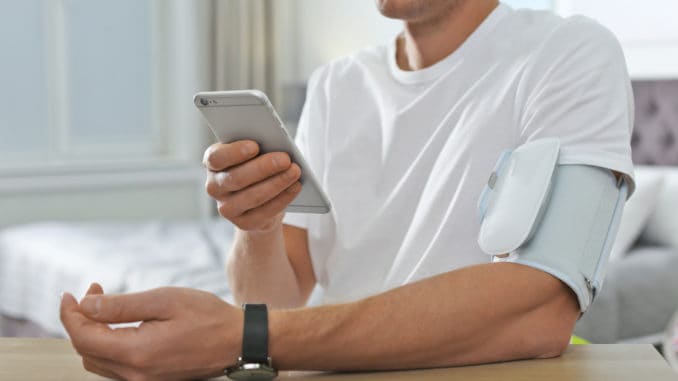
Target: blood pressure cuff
(561, 219)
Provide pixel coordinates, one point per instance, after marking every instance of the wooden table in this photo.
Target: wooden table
(50, 359)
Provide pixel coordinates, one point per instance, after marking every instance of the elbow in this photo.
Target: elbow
(558, 317)
(554, 335)
(544, 338)
(552, 345)
(554, 325)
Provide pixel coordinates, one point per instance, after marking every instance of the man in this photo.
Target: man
(403, 139)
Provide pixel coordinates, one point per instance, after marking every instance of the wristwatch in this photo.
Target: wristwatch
(254, 364)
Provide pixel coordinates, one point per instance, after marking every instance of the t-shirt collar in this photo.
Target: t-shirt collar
(432, 72)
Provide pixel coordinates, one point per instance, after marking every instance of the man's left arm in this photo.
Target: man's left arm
(480, 314)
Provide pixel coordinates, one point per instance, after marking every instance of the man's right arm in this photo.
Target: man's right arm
(271, 267)
(269, 262)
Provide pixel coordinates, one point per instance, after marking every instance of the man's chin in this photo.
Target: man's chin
(401, 9)
(414, 10)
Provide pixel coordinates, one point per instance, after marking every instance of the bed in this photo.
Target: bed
(40, 261)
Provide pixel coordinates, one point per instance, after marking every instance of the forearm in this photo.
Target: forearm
(481, 314)
(260, 271)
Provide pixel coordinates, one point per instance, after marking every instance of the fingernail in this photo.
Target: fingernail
(292, 173)
(65, 296)
(276, 165)
(91, 305)
(249, 148)
(294, 188)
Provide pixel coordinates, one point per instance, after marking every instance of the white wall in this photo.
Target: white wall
(647, 30)
(310, 33)
(326, 29)
(133, 202)
(164, 190)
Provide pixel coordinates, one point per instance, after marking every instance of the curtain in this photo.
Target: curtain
(210, 45)
(243, 45)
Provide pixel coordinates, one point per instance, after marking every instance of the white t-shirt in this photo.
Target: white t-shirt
(404, 155)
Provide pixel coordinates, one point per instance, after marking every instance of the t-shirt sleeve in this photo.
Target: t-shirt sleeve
(308, 139)
(577, 89)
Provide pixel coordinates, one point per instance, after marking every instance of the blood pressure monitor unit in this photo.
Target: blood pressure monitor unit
(559, 218)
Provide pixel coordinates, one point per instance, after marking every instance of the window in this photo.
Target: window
(89, 80)
(23, 105)
(108, 60)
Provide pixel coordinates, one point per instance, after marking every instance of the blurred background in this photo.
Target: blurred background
(100, 144)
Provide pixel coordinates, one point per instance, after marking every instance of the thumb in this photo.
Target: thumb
(70, 313)
(127, 308)
(68, 304)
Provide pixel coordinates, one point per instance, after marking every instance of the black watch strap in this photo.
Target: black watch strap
(255, 334)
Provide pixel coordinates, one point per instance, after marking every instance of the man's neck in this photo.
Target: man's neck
(425, 42)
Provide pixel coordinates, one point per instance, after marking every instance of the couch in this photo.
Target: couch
(640, 292)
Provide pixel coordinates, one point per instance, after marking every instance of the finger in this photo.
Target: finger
(127, 308)
(90, 337)
(221, 156)
(246, 174)
(258, 194)
(250, 218)
(109, 370)
(70, 314)
(95, 289)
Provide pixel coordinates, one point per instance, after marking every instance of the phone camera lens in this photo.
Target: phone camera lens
(204, 101)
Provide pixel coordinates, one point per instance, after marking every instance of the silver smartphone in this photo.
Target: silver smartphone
(249, 115)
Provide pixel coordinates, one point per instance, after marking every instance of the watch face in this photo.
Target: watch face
(252, 372)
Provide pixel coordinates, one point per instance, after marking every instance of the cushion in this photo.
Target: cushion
(662, 226)
(638, 210)
(638, 299)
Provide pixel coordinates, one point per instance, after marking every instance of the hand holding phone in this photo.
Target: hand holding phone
(251, 191)
(256, 172)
